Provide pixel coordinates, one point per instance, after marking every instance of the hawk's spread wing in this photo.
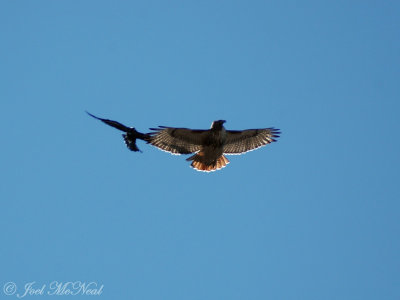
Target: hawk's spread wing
(177, 140)
(238, 142)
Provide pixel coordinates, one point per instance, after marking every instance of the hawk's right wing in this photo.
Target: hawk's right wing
(177, 140)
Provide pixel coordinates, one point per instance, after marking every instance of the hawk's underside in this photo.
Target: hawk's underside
(210, 145)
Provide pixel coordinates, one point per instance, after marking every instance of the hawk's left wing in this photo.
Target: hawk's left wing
(177, 140)
(238, 142)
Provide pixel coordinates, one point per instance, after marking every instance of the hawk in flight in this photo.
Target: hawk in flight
(209, 146)
(130, 135)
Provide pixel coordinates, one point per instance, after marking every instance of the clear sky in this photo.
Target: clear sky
(313, 216)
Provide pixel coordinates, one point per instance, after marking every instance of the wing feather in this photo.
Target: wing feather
(238, 142)
(177, 140)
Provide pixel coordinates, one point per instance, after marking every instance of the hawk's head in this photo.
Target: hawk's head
(217, 124)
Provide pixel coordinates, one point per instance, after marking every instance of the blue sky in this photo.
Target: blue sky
(313, 216)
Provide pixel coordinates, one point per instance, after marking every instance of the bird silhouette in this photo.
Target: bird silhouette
(130, 136)
(209, 146)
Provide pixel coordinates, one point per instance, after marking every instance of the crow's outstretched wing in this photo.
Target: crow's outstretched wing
(111, 123)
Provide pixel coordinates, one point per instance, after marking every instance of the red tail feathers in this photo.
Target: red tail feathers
(221, 162)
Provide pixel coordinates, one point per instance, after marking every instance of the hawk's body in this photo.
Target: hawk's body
(210, 145)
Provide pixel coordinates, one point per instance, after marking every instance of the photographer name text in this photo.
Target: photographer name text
(54, 288)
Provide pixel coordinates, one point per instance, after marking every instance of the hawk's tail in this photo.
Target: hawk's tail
(221, 162)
